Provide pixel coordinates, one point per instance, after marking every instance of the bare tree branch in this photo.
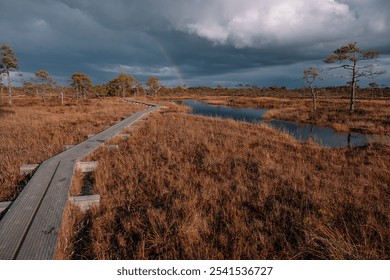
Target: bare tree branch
(353, 54)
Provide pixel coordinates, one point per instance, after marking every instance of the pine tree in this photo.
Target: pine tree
(349, 57)
(81, 83)
(8, 63)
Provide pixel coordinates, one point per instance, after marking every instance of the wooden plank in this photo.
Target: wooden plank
(124, 136)
(41, 239)
(27, 169)
(17, 220)
(88, 166)
(30, 227)
(112, 147)
(85, 202)
(67, 147)
(4, 205)
(150, 105)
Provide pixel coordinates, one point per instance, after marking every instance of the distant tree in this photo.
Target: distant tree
(43, 81)
(100, 90)
(29, 88)
(1, 84)
(8, 63)
(310, 76)
(349, 56)
(81, 83)
(373, 87)
(121, 85)
(61, 93)
(154, 85)
(138, 87)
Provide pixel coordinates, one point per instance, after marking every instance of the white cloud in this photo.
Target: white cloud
(254, 23)
(140, 71)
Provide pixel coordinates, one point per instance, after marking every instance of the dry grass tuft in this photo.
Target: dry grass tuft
(32, 132)
(371, 116)
(186, 187)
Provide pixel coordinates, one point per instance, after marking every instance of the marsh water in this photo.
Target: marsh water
(324, 136)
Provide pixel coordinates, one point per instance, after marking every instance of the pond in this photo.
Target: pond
(324, 136)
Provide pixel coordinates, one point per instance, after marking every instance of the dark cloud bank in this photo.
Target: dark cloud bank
(194, 42)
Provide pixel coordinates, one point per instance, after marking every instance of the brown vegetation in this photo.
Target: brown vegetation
(32, 132)
(186, 187)
(370, 116)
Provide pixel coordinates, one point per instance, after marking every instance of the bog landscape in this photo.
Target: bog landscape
(243, 172)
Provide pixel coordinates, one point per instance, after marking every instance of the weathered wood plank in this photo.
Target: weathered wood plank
(150, 105)
(89, 166)
(85, 202)
(16, 222)
(4, 205)
(27, 169)
(124, 136)
(67, 147)
(112, 147)
(30, 227)
(41, 239)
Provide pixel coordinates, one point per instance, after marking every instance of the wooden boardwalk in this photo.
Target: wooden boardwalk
(30, 226)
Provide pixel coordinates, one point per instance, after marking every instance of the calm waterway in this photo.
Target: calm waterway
(324, 136)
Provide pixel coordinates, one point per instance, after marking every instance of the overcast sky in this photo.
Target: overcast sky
(192, 42)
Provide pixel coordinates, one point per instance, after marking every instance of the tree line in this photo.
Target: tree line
(347, 58)
(42, 82)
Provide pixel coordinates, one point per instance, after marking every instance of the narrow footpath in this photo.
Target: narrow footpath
(30, 227)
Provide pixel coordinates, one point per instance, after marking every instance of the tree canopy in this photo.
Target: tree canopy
(310, 76)
(81, 83)
(43, 81)
(153, 84)
(121, 85)
(8, 63)
(349, 57)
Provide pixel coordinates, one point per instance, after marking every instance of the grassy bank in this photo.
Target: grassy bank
(32, 132)
(186, 187)
(371, 116)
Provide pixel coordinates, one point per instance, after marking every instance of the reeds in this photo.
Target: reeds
(186, 187)
(31, 132)
(371, 116)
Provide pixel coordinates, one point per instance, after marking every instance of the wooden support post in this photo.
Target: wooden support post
(67, 147)
(4, 205)
(85, 202)
(86, 166)
(27, 169)
(112, 147)
(123, 136)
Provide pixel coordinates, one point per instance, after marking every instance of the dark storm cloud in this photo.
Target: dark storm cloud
(194, 42)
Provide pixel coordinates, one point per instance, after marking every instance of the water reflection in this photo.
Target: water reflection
(324, 136)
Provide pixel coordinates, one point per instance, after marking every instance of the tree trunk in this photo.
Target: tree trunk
(43, 95)
(313, 93)
(352, 99)
(353, 87)
(1, 88)
(9, 88)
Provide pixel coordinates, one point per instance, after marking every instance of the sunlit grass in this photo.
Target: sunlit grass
(186, 187)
